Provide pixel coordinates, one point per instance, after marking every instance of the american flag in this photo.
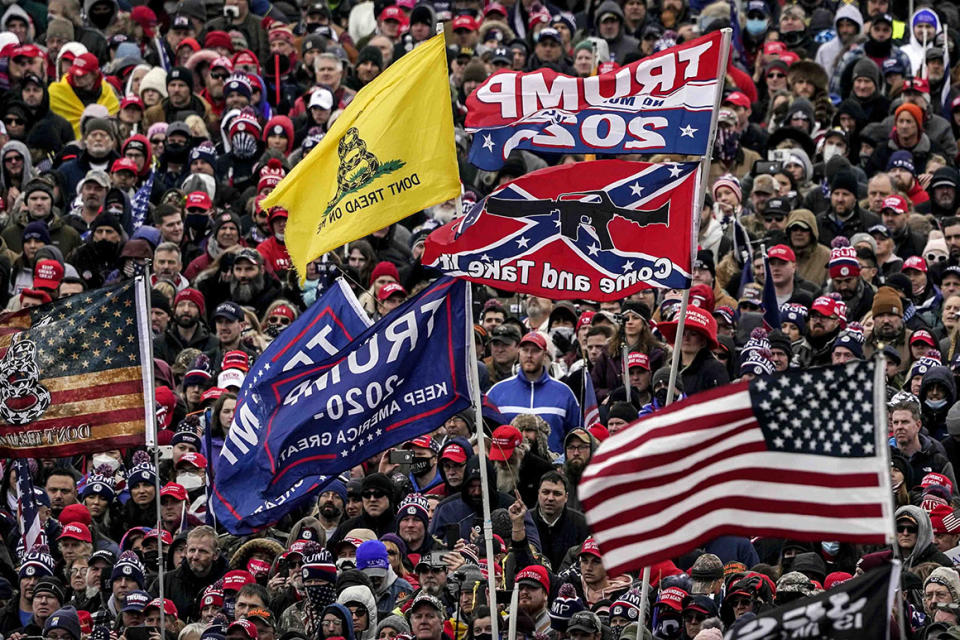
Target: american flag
(591, 410)
(28, 515)
(798, 455)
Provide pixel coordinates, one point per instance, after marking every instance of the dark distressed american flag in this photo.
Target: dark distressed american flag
(797, 454)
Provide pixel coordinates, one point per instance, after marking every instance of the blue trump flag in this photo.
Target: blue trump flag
(298, 427)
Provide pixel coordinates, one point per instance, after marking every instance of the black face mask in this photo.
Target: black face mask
(792, 38)
(104, 248)
(176, 153)
(661, 396)
(319, 596)
(151, 558)
(420, 465)
(198, 221)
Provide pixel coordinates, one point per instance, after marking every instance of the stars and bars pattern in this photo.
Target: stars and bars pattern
(642, 254)
(28, 514)
(92, 355)
(794, 455)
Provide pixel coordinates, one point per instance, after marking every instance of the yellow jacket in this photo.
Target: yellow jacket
(64, 102)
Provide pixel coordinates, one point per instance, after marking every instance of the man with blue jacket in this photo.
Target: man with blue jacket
(533, 391)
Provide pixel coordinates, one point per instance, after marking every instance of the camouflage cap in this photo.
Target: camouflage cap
(795, 582)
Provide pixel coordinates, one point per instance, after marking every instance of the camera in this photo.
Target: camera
(401, 456)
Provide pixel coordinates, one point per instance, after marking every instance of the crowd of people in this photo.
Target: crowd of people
(135, 132)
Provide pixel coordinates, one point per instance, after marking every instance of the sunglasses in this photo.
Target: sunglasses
(158, 140)
(281, 320)
(774, 217)
(358, 610)
(741, 602)
(694, 616)
(906, 528)
(14, 120)
(776, 75)
(933, 257)
(219, 76)
(13, 158)
(373, 495)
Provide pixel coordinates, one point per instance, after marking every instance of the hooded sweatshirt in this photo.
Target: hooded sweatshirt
(934, 419)
(829, 54)
(18, 11)
(623, 44)
(19, 147)
(361, 594)
(924, 550)
(916, 51)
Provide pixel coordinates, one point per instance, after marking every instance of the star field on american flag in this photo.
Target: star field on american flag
(825, 411)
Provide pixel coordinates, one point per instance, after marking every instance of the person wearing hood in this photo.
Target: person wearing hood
(925, 294)
(924, 27)
(18, 22)
(915, 538)
(925, 454)
(729, 156)
(388, 587)
(848, 23)
(360, 602)
(578, 448)
(943, 190)
(462, 508)
(100, 253)
(17, 169)
(878, 47)
(454, 455)
(803, 235)
(47, 125)
(610, 26)
(38, 196)
(938, 392)
(83, 85)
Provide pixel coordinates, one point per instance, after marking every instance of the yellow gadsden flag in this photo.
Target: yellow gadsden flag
(390, 154)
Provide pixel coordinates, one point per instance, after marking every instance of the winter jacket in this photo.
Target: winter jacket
(829, 53)
(623, 44)
(62, 235)
(550, 399)
(924, 550)
(921, 152)
(363, 595)
(569, 530)
(166, 112)
(50, 131)
(394, 588)
(185, 588)
(705, 372)
(934, 421)
(27, 173)
(74, 170)
(830, 226)
(811, 260)
(931, 459)
(167, 346)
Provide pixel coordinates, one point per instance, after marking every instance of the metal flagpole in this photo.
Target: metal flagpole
(685, 296)
(151, 441)
(481, 451)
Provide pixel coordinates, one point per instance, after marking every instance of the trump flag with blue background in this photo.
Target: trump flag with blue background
(297, 427)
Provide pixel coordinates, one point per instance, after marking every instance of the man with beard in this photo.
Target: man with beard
(533, 585)
(99, 152)
(901, 168)
(331, 506)
(845, 217)
(896, 213)
(844, 269)
(518, 469)
(538, 313)
(100, 254)
(888, 327)
(824, 325)
(578, 448)
(92, 193)
(560, 526)
(878, 46)
(943, 189)
(251, 285)
(187, 329)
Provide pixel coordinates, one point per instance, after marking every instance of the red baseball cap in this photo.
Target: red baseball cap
(637, 359)
(47, 274)
(915, 262)
(781, 252)
(825, 306)
(133, 101)
(424, 442)
(393, 13)
(246, 626)
(536, 338)
(173, 490)
(917, 84)
(774, 47)
(673, 598)
(199, 200)
(454, 452)
(169, 608)
(234, 580)
(123, 164)
(494, 7)
(389, 289)
(535, 573)
(738, 98)
(895, 202)
(586, 318)
(164, 535)
(464, 22)
(921, 335)
(85, 63)
(76, 531)
(194, 458)
(590, 547)
(212, 598)
(505, 439)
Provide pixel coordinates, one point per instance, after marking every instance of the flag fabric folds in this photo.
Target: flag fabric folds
(598, 230)
(297, 428)
(73, 374)
(389, 154)
(28, 513)
(794, 455)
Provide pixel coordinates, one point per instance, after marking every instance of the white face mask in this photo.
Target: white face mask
(831, 150)
(103, 459)
(189, 481)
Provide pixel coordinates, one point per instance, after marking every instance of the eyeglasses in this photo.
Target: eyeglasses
(14, 120)
(78, 571)
(776, 75)
(906, 528)
(578, 447)
(331, 623)
(373, 495)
